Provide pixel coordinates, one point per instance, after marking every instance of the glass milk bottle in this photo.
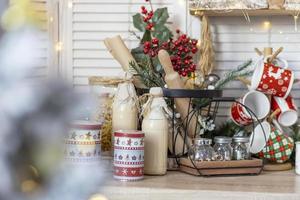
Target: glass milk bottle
(155, 127)
(125, 111)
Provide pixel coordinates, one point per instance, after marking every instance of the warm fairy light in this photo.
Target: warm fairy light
(267, 24)
(181, 2)
(280, 32)
(98, 197)
(28, 186)
(198, 44)
(58, 46)
(51, 19)
(296, 21)
(251, 29)
(70, 4)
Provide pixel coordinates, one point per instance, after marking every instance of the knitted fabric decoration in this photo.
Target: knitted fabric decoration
(279, 147)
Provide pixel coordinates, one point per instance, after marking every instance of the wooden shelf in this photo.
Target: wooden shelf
(231, 13)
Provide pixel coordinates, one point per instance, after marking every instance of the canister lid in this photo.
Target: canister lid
(202, 141)
(222, 139)
(86, 125)
(241, 139)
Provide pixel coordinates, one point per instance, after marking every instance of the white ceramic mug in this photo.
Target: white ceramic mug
(287, 114)
(297, 161)
(259, 137)
(257, 102)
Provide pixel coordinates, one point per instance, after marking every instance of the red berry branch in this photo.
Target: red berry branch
(147, 16)
(157, 36)
(181, 51)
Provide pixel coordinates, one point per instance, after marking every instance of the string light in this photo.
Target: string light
(59, 46)
(181, 2)
(98, 197)
(198, 44)
(28, 186)
(51, 19)
(70, 4)
(295, 21)
(267, 25)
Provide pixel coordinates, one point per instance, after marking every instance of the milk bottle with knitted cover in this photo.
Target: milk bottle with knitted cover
(155, 127)
(125, 110)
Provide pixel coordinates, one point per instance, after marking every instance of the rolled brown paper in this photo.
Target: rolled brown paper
(174, 81)
(121, 53)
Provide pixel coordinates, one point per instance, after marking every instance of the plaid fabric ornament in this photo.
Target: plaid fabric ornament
(278, 148)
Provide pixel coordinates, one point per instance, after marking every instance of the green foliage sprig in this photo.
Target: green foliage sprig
(240, 71)
(147, 74)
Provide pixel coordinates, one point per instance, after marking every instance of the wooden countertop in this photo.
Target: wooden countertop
(176, 185)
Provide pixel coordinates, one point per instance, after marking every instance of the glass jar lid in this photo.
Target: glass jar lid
(208, 141)
(222, 139)
(202, 141)
(243, 139)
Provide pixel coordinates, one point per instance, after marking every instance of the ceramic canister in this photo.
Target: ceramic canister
(83, 142)
(128, 155)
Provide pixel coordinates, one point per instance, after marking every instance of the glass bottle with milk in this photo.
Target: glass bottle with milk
(125, 110)
(155, 127)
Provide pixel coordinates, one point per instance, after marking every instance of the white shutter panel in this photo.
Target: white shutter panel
(93, 21)
(234, 42)
(41, 68)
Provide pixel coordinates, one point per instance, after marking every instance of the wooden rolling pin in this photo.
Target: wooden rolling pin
(174, 81)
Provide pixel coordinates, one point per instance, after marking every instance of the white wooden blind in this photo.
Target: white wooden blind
(93, 21)
(234, 40)
(41, 68)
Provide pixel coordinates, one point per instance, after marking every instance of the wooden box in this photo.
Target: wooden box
(234, 167)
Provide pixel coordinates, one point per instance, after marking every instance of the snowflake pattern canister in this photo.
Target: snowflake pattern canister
(273, 79)
(129, 155)
(83, 143)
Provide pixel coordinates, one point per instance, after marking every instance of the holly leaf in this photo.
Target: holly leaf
(146, 36)
(138, 54)
(138, 22)
(157, 66)
(160, 16)
(162, 33)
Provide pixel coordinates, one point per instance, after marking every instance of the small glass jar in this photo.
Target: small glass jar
(201, 150)
(240, 148)
(102, 90)
(223, 148)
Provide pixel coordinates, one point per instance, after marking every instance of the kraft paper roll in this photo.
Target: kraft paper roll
(121, 53)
